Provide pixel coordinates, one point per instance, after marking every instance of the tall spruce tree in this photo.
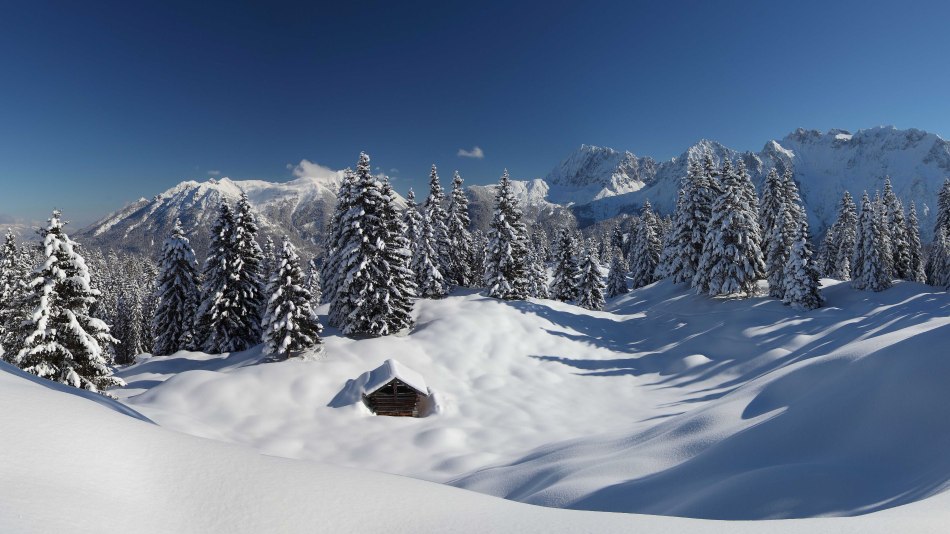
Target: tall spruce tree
(844, 233)
(435, 209)
(793, 200)
(215, 324)
(506, 254)
(14, 283)
(884, 243)
(66, 342)
(700, 192)
(732, 260)
(337, 235)
(779, 248)
(942, 221)
(396, 297)
(537, 275)
(246, 275)
(915, 272)
(896, 226)
(771, 205)
(590, 287)
(425, 262)
(801, 279)
(617, 276)
(173, 323)
(459, 238)
(374, 285)
(940, 260)
(645, 253)
(290, 322)
(566, 269)
(869, 262)
(313, 284)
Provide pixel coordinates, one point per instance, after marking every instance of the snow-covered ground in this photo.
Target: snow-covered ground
(667, 403)
(76, 462)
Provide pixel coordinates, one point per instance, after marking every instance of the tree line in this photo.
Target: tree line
(723, 239)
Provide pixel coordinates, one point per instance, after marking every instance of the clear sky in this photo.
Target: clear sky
(104, 102)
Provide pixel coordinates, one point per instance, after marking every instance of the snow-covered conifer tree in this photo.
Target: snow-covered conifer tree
(459, 238)
(65, 343)
(268, 259)
(14, 283)
(896, 227)
(691, 221)
(246, 281)
(884, 236)
(312, 284)
(801, 279)
(290, 322)
(537, 275)
(732, 260)
(942, 220)
(374, 286)
(590, 283)
(566, 271)
(214, 321)
(617, 276)
(479, 253)
(173, 323)
(506, 255)
(940, 260)
(645, 253)
(336, 239)
(770, 206)
(435, 209)
(793, 201)
(395, 297)
(844, 233)
(915, 271)
(425, 263)
(869, 264)
(779, 246)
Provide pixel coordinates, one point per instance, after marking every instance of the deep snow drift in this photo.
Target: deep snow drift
(76, 462)
(667, 403)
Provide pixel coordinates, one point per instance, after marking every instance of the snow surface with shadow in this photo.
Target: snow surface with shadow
(666, 403)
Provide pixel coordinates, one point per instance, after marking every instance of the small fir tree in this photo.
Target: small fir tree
(290, 322)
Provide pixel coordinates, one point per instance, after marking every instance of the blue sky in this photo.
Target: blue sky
(101, 104)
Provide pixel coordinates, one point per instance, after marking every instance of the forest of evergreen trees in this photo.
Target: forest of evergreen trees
(70, 315)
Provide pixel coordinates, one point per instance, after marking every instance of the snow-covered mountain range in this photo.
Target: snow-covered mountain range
(825, 164)
(592, 184)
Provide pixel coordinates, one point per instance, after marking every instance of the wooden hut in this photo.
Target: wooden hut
(394, 389)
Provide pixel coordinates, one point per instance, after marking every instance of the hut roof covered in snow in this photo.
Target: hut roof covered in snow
(389, 370)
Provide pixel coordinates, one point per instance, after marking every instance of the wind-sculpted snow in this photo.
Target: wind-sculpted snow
(838, 411)
(667, 403)
(67, 465)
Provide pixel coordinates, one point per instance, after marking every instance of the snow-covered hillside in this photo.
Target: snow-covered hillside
(76, 462)
(839, 411)
(667, 403)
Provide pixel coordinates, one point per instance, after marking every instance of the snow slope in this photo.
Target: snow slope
(668, 403)
(74, 462)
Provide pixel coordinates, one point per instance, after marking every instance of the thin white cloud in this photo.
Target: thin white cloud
(214, 172)
(476, 152)
(311, 169)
